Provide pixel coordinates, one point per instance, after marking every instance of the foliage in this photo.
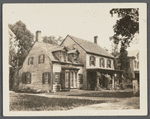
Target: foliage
(52, 40)
(124, 63)
(126, 26)
(25, 41)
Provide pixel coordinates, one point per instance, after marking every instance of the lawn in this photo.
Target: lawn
(23, 102)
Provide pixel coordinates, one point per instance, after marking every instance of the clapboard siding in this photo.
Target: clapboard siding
(68, 42)
(36, 69)
(56, 67)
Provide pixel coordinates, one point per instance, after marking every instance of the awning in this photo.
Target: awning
(107, 71)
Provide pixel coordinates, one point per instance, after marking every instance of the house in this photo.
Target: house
(47, 64)
(98, 70)
(134, 63)
(74, 64)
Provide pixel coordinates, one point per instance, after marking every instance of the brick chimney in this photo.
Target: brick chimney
(38, 36)
(95, 39)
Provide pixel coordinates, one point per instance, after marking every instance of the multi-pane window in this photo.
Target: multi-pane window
(30, 61)
(108, 63)
(102, 62)
(46, 78)
(41, 58)
(92, 60)
(26, 78)
(57, 77)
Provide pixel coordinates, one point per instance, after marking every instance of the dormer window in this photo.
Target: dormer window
(102, 62)
(63, 55)
(41, 58)
(92, 60)
(108, 63)
(30, 61)
(73, 55)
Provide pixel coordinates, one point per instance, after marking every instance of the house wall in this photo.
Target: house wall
(97, 65)
(36, 70)
(68, 42)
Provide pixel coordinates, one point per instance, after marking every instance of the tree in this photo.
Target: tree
(52, 40)
(126, 26)
(25, 41)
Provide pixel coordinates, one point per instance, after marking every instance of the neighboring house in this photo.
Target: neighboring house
(13, 46)
(76, 63)
(134, 63)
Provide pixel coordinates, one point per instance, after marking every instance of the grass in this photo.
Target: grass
(109, 94)
(23, 102)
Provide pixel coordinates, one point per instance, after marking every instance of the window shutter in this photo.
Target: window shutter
(43, 58)
(23, 78)
(100, 62)
(104, 62)
(94, 60)
(30, 78)
(49, 78)
(43, 78)
(32, 59)
(90, 60)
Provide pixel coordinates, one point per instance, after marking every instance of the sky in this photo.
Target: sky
(80, 20)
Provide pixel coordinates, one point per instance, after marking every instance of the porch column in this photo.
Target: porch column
(97, 81)
(113, 82)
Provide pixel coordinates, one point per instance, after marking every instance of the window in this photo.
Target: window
(26, 78)
(41, 59)
(57, 77)
(30, 61)
(46, 78)
(102, 62)
(92, 60)
(108, 63)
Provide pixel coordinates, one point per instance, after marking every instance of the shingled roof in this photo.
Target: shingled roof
(91, 47)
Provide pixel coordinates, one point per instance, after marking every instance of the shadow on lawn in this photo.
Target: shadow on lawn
(106, 94)
(38, 103)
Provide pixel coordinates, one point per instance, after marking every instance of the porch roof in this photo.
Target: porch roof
(109, 71)
(69, 68)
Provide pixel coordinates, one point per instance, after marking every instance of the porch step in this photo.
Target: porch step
(74, 89)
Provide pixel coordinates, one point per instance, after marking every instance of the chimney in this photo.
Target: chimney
(38, 36)
(95, 39)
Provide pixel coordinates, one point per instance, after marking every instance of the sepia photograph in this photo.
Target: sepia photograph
(74, 59)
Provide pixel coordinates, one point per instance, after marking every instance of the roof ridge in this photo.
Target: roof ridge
(105, 53)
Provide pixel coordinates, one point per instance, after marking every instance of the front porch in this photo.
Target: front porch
(102, 79)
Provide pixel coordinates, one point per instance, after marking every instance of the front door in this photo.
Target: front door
(73, 79)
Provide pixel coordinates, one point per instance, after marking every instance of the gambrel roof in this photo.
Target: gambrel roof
(90, 47)
(49, 48)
